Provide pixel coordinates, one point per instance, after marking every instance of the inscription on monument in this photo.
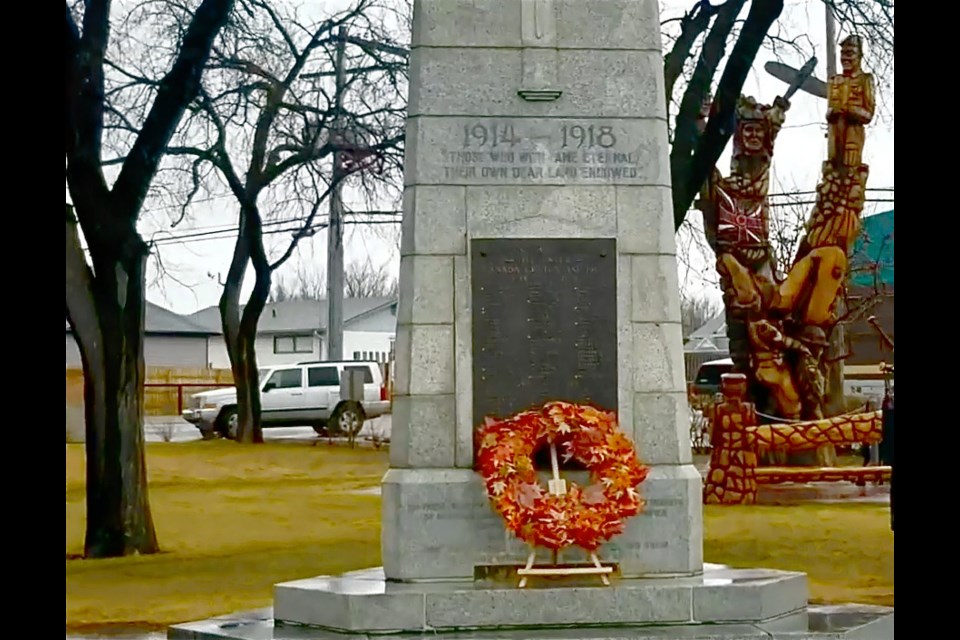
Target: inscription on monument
(544, 323)
(521, 150)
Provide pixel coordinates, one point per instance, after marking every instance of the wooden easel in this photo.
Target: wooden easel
(558, 487)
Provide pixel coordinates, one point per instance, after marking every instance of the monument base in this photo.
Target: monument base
(438, 525)
(722, 603)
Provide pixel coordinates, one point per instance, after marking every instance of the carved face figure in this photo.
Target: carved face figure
(850, 56)
(733, 386)
(752, 137)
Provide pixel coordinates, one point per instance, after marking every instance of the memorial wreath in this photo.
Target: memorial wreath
(583, 516)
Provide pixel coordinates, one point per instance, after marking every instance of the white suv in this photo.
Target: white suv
(306, 393)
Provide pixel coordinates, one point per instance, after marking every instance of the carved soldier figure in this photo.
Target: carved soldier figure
(770, 368)
(810, 289)
(809, 375)
(850, 106)
(738, 203)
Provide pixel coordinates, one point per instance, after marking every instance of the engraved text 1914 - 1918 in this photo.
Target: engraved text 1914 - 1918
(518, 150)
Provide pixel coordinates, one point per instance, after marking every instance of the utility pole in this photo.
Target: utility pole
(335, 284)
(831, 42)
(835, 379)
(335, 228)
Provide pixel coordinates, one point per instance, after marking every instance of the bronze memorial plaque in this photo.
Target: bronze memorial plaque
(544, 323)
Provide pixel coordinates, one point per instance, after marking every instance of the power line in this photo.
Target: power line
(229, 229)
(216, 233)
(788, 194)
(270, 228)
(801, 202)
(296, 228)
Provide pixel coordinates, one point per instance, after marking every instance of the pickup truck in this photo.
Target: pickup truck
(303, 394)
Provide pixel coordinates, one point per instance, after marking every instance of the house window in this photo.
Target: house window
(293, 344)
(356, 355)
(322, 377)
(287, 379)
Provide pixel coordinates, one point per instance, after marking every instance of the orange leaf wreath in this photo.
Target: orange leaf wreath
(585, 516)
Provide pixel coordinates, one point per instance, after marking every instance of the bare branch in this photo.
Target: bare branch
(691, 173)
(224, 61)
(692, 25)
(363, 280)
(177, 89)
(698, 90)
(278, 25)
(306, 230)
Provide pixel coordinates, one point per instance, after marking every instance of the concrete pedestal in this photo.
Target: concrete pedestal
(722, 604)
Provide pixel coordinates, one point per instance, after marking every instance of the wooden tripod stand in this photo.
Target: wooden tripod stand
(558, 487)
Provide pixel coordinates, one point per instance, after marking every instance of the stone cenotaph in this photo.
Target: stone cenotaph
(537, 264)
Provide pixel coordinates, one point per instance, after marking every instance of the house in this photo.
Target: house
(871, 284)
(170, 340)
(295, 330)
(707, 343)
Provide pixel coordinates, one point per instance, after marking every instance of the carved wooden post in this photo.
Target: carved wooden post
(731, 478)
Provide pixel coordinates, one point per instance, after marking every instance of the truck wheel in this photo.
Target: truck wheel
(228, 422)
(347, 419)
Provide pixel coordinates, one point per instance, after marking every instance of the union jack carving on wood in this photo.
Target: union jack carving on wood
(740, 220)
(361, 160)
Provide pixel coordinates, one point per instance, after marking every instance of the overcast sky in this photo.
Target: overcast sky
(193, 266)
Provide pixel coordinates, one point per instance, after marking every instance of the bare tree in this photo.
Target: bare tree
(302, 284)
(711, 27)
(270, 125)
(105, 298)
(363, 280)
(786, 231)
(695, 311)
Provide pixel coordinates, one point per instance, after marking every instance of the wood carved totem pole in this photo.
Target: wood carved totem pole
(779, 328)
(736, 215)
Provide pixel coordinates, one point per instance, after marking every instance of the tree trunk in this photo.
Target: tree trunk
(240, 329)
(251, 431)
(834, 393)
(241, 347)
(107, 315)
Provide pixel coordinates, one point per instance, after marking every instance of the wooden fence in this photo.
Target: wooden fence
(165, 389)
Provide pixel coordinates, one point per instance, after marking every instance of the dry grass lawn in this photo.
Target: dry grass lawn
(234, 520)
(845, 549)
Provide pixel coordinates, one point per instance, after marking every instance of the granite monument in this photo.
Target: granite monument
(537, 263)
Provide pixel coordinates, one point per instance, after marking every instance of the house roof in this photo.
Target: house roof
(160, 321)
(291, 316)
(711, 337)
(873, 252)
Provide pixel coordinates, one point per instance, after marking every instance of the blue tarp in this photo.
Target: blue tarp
(873, 252)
